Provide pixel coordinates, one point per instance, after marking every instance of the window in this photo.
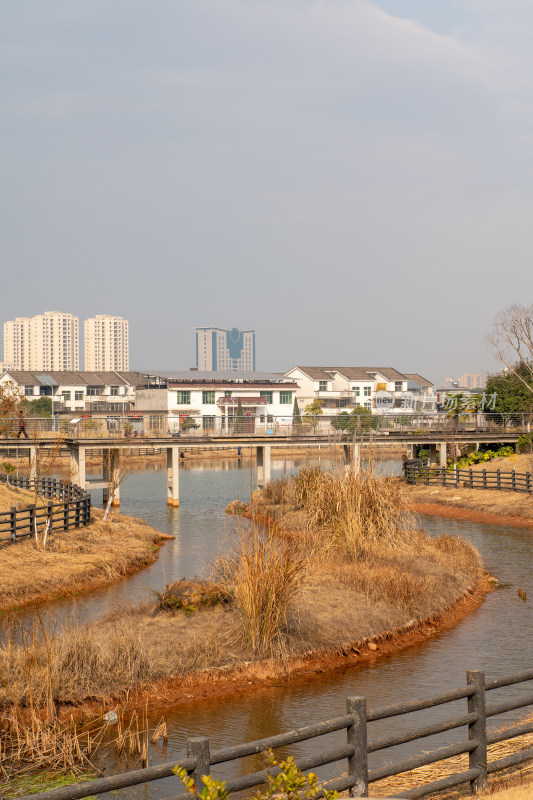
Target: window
(398, 386)
(285, 398)
(368, 405)
(367, 391)
(114, 391)
(227, 394)
(78, 396)
(156, 423)
(28, 391)
(322, 386)
(183, 398)
(65, 395)
(208, 399)
(92, 391)
(208, 423)
(356, 390)
(268, 396)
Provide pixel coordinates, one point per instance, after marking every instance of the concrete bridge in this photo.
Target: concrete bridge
(440, 441)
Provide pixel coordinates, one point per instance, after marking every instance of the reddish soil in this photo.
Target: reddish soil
(253, 676)
(457, 512)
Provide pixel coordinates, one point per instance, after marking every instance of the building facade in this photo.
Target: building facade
(225, 350)
(218, 402)
(76, 392)
(378, 389)
(106, 343)
(48, 341)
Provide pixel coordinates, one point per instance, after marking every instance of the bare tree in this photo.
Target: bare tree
(115, 473)
(512, 341)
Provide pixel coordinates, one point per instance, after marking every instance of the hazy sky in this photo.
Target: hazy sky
(352, 179)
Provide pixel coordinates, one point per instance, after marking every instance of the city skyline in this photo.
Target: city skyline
(245, 165)
(51, 342)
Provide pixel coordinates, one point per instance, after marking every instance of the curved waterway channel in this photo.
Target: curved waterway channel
(495, 637)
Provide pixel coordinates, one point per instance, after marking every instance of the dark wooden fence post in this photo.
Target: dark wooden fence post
(13, 523)
(471, 476)
(528, 481)
(478, 730)
(443, 476)
(65, 515)
(357, 735)
(198, 748)
(513, 480)
(484, 478)
(456, 476)
(31, 509)
(498, 479)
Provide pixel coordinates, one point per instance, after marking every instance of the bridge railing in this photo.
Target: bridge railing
(68, 507)
(352, 756)
(142, 425)
(468, 478)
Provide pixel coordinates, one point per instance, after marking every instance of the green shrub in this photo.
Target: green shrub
(288, 784)
(525, 443)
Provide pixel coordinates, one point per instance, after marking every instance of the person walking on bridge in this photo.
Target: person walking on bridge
(22, 426)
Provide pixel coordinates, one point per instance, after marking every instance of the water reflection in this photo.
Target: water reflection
(494, 637)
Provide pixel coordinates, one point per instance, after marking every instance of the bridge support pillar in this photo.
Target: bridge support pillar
(173, 476)
(410, 451)
(77, 466)
(432, 453)
(263, 465)
(443, 457)
(352, 456)
(111, 474)
(32, 459)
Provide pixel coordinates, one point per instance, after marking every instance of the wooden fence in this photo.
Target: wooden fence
(68, 507)
(469, 478)
(352, 756)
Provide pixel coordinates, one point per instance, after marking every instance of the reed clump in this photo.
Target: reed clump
(263, 574)
(351, 511)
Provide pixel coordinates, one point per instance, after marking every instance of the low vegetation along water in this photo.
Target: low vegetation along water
(494, 637)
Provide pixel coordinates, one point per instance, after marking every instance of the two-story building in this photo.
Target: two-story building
(78, 392)
(218, 402)
(379, 389)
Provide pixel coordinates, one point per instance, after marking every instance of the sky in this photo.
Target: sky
(352, 179)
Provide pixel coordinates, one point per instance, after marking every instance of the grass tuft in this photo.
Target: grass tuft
(263, 574)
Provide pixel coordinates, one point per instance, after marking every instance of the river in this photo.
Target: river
(494, 637)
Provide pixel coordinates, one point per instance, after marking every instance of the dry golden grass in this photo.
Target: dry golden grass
(358, 529)
(13, 496)
(75, 559)
(486, 501)
(294, 592)
(263, 574)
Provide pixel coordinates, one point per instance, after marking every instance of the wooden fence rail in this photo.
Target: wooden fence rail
(68, 506)
(354, 753)
(469, 478)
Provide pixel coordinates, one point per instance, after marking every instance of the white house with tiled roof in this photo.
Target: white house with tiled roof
(210, 400)
(76, 392)
(344, 388)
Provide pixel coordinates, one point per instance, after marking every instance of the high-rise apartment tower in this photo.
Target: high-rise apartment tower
(47, 342)
(106, 343)
(225, 350)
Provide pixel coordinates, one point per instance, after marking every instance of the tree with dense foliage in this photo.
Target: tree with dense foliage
(188, 424)
(296, 416)
(312, 412)
(42, 407)
(512, 391)
(360, 419)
